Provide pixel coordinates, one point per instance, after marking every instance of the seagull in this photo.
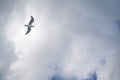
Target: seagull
(29, 25)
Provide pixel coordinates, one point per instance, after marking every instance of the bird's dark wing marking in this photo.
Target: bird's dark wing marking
(28, 30)
(31, 21)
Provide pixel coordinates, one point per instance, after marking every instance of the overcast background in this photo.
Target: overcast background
(71, 40)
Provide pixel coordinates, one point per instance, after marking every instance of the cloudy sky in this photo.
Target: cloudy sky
(71, 40)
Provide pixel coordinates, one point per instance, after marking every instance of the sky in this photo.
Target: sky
(71, 40)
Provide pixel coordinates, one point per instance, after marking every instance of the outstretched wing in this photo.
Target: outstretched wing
(31, 21)
(28, 30)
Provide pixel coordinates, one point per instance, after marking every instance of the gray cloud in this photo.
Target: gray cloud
(78, 37)
(7, 48)
(94, 29)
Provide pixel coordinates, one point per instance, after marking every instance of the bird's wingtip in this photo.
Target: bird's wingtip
(25, 33)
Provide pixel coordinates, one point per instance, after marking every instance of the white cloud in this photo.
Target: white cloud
(74, 37)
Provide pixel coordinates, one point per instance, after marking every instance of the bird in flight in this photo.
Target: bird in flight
(29, 26)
